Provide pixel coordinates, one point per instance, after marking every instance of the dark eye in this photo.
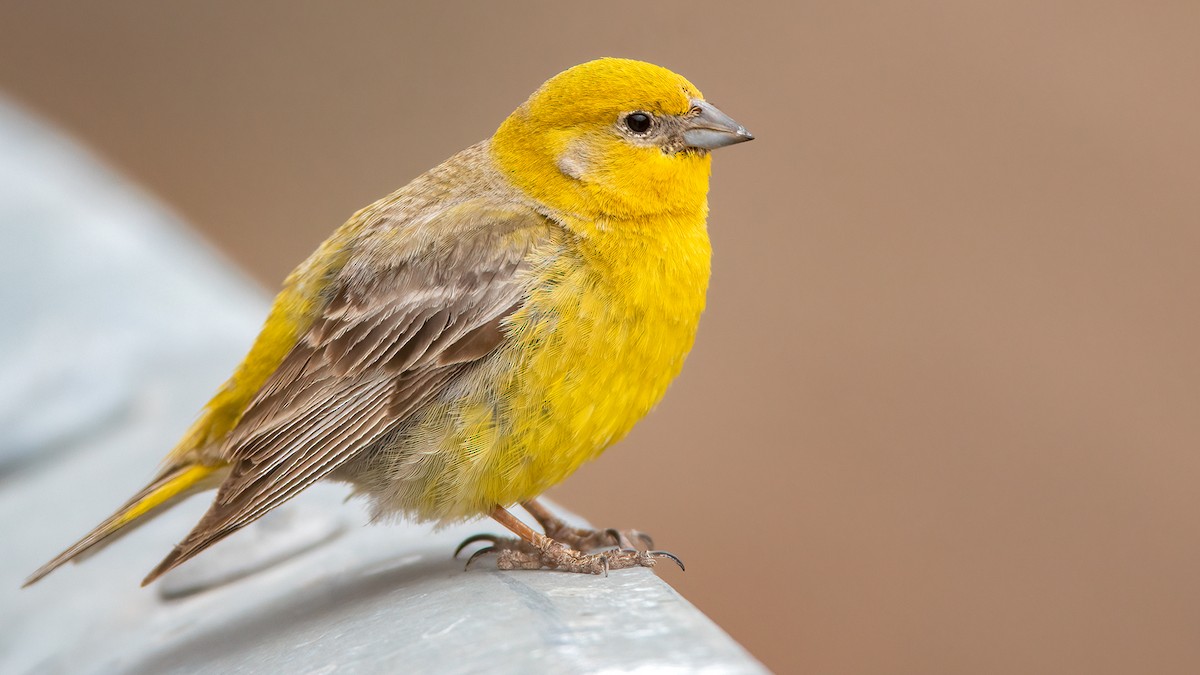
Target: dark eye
(638, 122)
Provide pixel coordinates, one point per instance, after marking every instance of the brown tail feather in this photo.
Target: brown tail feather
(182, 553)
(167, 489)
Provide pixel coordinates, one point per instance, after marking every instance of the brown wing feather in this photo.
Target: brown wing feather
(396, 330)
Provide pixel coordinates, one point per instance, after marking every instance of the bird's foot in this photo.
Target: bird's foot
(582, 538)
(585, 539)
(546, 553)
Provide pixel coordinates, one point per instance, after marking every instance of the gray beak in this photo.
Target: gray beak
(713, 129)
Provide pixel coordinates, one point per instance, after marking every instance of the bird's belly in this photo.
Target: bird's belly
(584, 388)
(583, 364)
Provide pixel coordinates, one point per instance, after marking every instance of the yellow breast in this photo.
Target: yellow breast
(607, 326)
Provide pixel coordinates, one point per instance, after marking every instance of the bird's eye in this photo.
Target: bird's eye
(638, 122)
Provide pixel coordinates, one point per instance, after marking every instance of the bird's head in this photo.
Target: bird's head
(615, 139)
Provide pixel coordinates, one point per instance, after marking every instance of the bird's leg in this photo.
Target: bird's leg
(533, 550)
(582, 538)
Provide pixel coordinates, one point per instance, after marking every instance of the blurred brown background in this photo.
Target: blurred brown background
(942, 413)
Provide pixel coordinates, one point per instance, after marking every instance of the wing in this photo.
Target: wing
(404, 317)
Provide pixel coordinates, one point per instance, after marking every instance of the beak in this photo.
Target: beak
(712, 129)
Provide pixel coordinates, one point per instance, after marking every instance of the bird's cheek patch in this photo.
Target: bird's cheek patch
(571, 166)
(574, 161)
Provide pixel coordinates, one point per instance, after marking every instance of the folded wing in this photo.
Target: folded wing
(405, 316)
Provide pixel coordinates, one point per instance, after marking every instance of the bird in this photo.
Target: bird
(468, 341)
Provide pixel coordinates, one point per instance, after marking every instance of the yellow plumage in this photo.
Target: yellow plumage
(469, 341)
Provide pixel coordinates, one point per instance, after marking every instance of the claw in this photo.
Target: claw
(615, 534)
(646, 539)
(472, 539)
(667, 554)
(485, 551)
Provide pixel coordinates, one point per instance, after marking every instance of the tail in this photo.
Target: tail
(170, 487)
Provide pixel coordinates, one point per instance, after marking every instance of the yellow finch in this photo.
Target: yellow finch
(465, 343)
